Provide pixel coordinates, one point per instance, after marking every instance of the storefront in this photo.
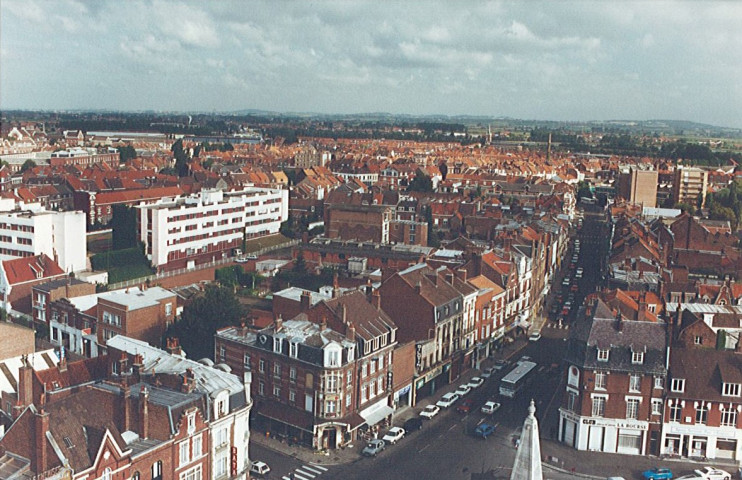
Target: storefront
(403, 396)
(701, 441)
(603, 434)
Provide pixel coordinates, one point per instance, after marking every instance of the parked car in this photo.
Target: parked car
(240, 260)
(465, 406)
(487, 372)
(711, 473)
(484, 430)
(490, 407)
(374, 447)
(475, 382)
(447, 400)
(412, 424)
(657, 473)
(259, 468)
(534, 337)
(394, 435)
(500, 364)
(430, 411)
(463, 390)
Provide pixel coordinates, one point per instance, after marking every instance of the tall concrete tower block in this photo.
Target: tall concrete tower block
(527, 465)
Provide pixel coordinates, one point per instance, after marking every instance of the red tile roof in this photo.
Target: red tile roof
(26, 269)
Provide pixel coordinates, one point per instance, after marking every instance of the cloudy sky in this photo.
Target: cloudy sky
(552, 60)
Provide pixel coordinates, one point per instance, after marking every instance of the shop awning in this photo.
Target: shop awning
(376, 413)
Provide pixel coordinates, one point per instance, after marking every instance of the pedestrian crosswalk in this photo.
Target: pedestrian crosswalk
(305, 472)
(557, 325)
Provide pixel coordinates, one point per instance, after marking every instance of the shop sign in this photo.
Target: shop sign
(614, 423)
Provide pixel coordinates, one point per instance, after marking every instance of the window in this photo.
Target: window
(292, 373)
(349, 377)
(261, 388)
(276, 391)
(261, 366)
(276, 344)
(221, 465)
(333, 358)
(347, 399)
(191, 423)
(107, 474)
(221, 437)
(677, 385)
(659, 382)
(380, 385)
(364, 370)
(656, 406)
(364, 393)
(635, 383)
(330, 407)
(292, 396)
(675, 411)
(246, 361)
(293, 349)
(602, 355)
(731, 389)
(331, 383)
(168, 309)
(184, 453)
(373, 366)
(157, 470)
(600, 380)
(571, 401)
(277, 369)
(637, 358)
(729, 417)
(136, 476)
(192, 474)
(598, 407)
(698, 340)
(702, 414)
(197, 446)
(632, 408)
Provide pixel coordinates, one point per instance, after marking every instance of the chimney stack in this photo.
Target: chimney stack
(138, 364)
(350, 332)
(344, 314)
(25, 384)
(449, 276)
(461, 273)
(41, 427)
(335, 286)
(306, 301)
(418, 287)
(126, 407)
(619, 321)
(376, 299)
(323, 325)
(144, 413)
(278, 324)
(642, 311)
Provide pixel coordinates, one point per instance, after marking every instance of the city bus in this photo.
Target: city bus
(516, 379)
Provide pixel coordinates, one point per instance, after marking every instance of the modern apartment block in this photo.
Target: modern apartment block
(28, 230)
(185, 231)
(639, 186)
(690, 186)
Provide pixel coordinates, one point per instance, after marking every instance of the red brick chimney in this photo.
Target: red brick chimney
(25, 384)
(350, 332)
(323, 325)
(335, 286)
(126, 407)
(461, 273)
(449, 276)
(41, 427)
(144, 413)
(278, 324)
(343, 314)
(306, 301)
(418, 287)
(642, 310)
(376, 299)
(173, 346)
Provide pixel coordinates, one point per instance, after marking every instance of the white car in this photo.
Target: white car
(394, 435)
(490, 407)
(475, 382)
(447, 400)
(487, 372)
(259, 468)
(534, 337)
(430, 411)
(711, 473)
(463, 390)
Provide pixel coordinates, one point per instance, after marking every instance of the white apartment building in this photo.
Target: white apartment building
(229, 400)
(28, 230)
(189, 230)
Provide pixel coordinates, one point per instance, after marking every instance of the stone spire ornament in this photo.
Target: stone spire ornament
(527, 465)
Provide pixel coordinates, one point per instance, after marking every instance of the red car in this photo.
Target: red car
(465, 406)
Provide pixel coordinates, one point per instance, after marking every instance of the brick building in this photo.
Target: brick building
(616, 373)
(45, 293)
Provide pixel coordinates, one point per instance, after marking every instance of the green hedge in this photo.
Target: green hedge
(118, 258)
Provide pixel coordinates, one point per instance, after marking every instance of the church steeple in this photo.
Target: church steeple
(527, 465)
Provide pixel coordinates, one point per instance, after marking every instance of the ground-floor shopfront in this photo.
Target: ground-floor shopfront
(598, 434)
(701, 441)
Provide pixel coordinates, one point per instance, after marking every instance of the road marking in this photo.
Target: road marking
(319, 466)
(300, 477)
(285, 478)
(426, 446)
(452, 427)
(306, 467)
(305, 473)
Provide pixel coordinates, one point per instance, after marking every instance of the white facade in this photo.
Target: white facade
(59, 235)
(209, 224)
(601, 434)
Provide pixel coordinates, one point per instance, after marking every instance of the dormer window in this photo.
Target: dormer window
(731, 389)
(677, 385)
(603, 354)
(637, 358)
(293, 349)
(276, 344)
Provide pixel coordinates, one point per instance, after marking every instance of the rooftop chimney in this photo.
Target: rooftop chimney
(126, 407)
(642, 310)
(619, 321)
(323, 325)
(144, 412)
(278, 324)
(41, 427)
(25, 384)
(418, 287)
(461, 273)
(306, 301)
(335, 286)
(449, 276)
(350, 332)
(344, 314)
(376, 299)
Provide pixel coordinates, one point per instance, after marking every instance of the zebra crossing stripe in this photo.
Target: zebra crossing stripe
(313, 470)
(305, 473)
(285, 478)
(301, 477)
(320, 467)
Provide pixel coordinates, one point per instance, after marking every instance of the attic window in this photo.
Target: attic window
(603, 354)
(731, 389)
(68, 442)
(637, 358)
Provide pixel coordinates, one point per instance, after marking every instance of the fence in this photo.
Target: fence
(172, 273)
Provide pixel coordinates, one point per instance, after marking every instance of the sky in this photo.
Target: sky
(551, 60)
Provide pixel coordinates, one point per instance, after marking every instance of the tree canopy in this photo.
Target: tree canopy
(126, 153)
(421, 183)
(216, 308)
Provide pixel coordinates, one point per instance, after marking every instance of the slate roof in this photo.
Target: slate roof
(704, 370)
(601, 330)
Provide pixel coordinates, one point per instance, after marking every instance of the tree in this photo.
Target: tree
(181, 158)
(584, 190)
(126, 153)
(27, 165)
(421, 183)
(216, 308)
(124, 227)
